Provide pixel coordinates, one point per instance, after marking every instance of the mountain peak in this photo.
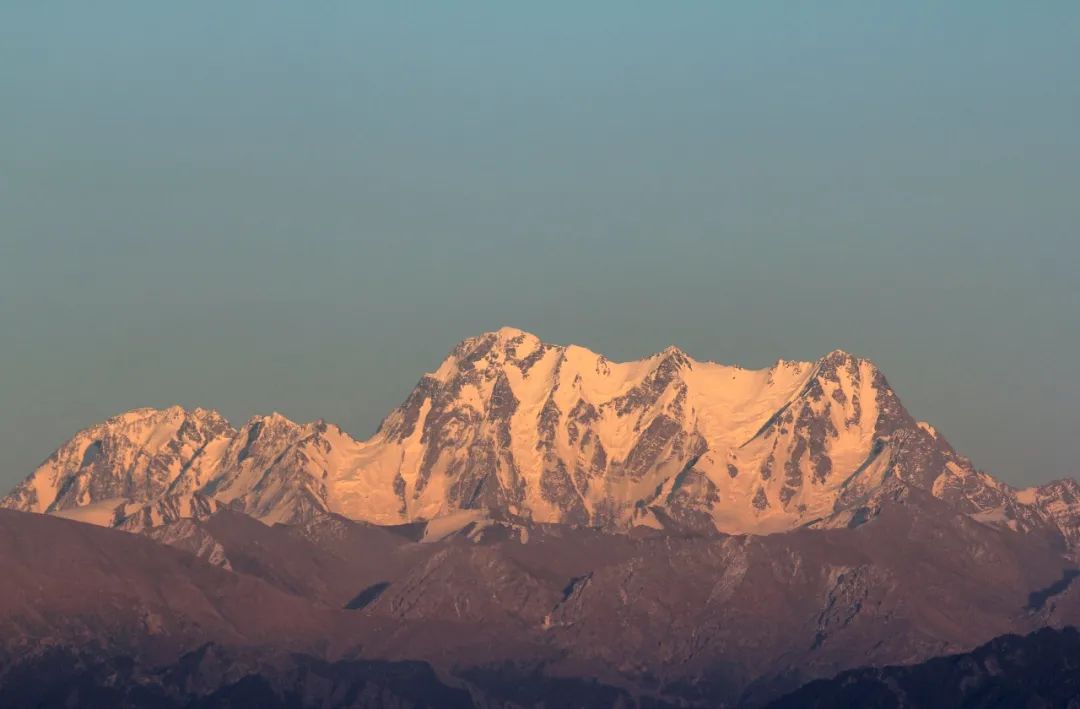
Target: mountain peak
(135, 456)
(840, 355)
(148, 415)
(272, 418)
(143, 413)
(841, 361)
(506, 332)
(552, 433)
(505, 335)
(672, 351)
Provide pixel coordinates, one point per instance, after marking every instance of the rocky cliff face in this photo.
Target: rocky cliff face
(530, 431)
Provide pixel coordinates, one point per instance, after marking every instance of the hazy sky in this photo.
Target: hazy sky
(302, 207)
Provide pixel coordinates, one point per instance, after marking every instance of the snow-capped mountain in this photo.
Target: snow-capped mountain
(528, 430)
(132, 458)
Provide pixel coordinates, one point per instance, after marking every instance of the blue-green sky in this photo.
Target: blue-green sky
(303, 206)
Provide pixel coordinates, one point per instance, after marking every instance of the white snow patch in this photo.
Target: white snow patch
(101, 513)
(442, 527)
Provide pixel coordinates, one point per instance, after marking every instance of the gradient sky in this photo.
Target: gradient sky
(302, 207)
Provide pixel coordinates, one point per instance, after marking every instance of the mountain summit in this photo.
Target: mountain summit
(524, 430)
